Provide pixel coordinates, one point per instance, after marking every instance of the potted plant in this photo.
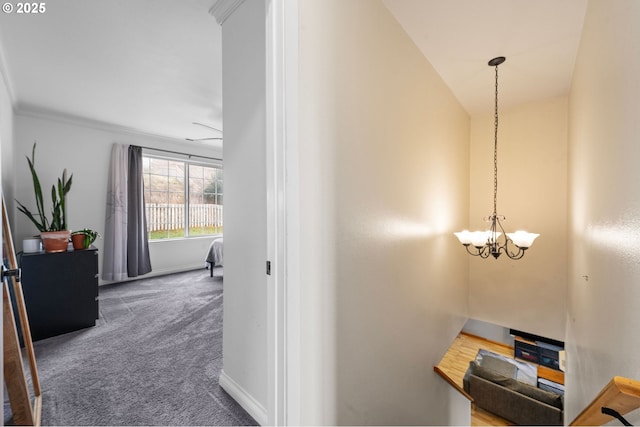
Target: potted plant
(54, 233)
(82, 239)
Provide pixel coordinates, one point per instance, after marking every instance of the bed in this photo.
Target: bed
(215, 255)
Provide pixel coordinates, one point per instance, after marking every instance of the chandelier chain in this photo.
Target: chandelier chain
(495, 151)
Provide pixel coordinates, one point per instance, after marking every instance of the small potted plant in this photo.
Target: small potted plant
(54, 233)
(82, 239)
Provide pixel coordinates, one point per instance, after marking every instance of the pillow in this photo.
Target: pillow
(489, 374)
(539, 394)
(500, 366)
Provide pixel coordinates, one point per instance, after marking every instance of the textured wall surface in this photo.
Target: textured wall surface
(384, 184)
(604, 271)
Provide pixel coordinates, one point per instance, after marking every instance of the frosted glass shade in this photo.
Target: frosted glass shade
(522, 239)
(480, 238)
(464, 236)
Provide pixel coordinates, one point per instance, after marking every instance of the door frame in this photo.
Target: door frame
(283, 305)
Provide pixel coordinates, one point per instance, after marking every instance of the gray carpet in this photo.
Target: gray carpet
(153, 358)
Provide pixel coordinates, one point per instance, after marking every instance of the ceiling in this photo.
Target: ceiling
(155, 65)
(539, 38)
(147, 65)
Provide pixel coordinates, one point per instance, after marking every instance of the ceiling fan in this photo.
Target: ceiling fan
(219, 138)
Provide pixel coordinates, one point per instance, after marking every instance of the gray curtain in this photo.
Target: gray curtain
(114, 266)
(138, 261)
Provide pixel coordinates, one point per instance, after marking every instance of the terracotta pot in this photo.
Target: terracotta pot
(55, 241)
(78, 241)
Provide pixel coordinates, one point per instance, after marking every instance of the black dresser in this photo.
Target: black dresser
(60, 291)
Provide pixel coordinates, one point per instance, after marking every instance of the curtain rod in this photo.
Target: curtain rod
(177, 152)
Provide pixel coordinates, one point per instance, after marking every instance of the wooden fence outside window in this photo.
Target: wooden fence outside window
(165, 216)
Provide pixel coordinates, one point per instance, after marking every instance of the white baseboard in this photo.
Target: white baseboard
(244, 399)
(158, 272)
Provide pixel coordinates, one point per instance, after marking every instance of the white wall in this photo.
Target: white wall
(489, 331)
(604, 273)
(6, 143)
(384, 150)
(245, 281)
(85, 151)
(528, 294)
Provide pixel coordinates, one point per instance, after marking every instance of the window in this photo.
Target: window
(182, 198)
(205, 200)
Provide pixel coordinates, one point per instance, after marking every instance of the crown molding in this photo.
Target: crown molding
(4, 70)
(57, 116)
(222, 9)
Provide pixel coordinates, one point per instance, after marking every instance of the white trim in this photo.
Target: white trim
(56, 116)
(289, 185)
(244, 399)
(4, 70)
(194, 159)
(156, 273)
(222, 9)
(275, 360)
(283, 313)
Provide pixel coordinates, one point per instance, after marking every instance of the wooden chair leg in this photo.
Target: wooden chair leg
(14, 373)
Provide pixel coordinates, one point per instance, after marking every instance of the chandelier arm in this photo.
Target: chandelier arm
(496, 227)
(516, 255)
(479, 251)
(484, 252)
(493, 242)
(500, 218)
(469, 251)
(507, 250)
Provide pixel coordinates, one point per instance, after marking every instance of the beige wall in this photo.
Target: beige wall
(384, 183)
(604, 268)
(527, 294)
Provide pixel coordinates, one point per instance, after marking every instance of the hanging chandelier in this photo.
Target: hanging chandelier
(495, 241)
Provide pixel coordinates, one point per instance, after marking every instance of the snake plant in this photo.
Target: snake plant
(58, 220)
